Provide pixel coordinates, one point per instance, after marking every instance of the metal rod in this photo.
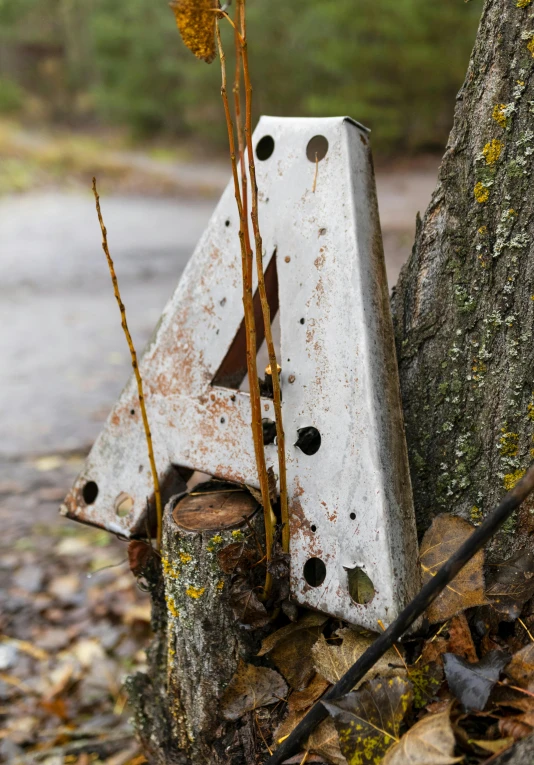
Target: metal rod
(406, 618)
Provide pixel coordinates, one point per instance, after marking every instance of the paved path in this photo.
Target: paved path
(63, 359)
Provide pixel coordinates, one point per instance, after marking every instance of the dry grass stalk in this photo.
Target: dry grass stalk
(280, 436)
(246, 257)
(135, 365)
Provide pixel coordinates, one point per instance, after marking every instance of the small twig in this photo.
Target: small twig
(316, 173)
(395, 646)
(277, 397)
(133, 354)
(522, 623)
(261, 733)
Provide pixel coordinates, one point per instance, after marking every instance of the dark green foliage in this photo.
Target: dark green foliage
(394, 64)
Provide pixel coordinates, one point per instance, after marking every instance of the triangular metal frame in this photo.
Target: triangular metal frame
(350, 503)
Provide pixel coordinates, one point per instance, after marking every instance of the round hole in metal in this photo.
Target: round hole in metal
(265, 147)
(314, 572)
(313, 527)
(227, 223)
(309, 440)
(90, 492)
(269, 431)
(124, 504)
(361, 588)
(132, 412)
(317, 148)
(352, 516)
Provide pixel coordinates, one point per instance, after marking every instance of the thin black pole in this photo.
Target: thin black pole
(406, 618)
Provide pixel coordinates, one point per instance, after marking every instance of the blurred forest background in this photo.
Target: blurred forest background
(395, 65)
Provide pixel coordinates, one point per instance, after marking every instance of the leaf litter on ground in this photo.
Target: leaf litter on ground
(466, 590)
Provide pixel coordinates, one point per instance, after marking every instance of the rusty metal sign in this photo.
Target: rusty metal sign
(353, 541)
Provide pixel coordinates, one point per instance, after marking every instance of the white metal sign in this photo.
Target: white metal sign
(353, 542)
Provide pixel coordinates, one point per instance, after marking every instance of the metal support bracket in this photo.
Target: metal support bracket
(353, 540)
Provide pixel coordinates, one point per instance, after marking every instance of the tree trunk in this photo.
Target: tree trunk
(464, 305)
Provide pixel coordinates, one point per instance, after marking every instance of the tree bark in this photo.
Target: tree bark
(464, 305)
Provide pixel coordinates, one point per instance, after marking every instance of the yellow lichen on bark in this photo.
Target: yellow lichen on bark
(195, 20)
(498, 114)
(492, 151)
(481, 193)
(523, 3)
(510, 480)
(195, 592)
(530, 46)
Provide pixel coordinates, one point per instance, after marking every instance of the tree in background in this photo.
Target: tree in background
(393, 64)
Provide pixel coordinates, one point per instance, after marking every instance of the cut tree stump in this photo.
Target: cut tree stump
(199, 638)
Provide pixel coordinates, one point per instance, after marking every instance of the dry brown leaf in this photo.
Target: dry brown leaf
(433, 650)
(324, 741)
(196, 21)
(517, 727)
(251, 687)
(460, 639)
(300, 700)
(429, 742)
(332, 661)
(290, 649)
(495, 746)
(521, 668)
(511, 584)
(246, 606)
(466, 590)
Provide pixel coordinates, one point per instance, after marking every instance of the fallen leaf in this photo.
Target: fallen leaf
(368, 720)
(521, 668)
(495, 746)
(235, 556)
(426, 680)
(309, 619)
(517, 727)
(141, 612)
(434, 649)
(443, 538)
(290, 649)
(461, 640)
(332, 661)
(429, 742)
(512, 584)
(196, 21)
(304, 699)
(251, 687)
(324, 741)
(246, 606)
(139, 553)
(472, 683)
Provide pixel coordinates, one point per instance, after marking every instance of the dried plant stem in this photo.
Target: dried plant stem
(239, 122)
(257, 431)
(135, 365)
(277, 398)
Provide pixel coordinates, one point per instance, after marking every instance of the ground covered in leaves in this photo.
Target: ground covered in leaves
(459, 688)
(70, 628)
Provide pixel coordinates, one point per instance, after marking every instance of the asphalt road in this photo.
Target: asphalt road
(63, 358)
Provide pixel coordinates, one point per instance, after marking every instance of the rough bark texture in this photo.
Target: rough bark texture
(464, 305)
(195, 652)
